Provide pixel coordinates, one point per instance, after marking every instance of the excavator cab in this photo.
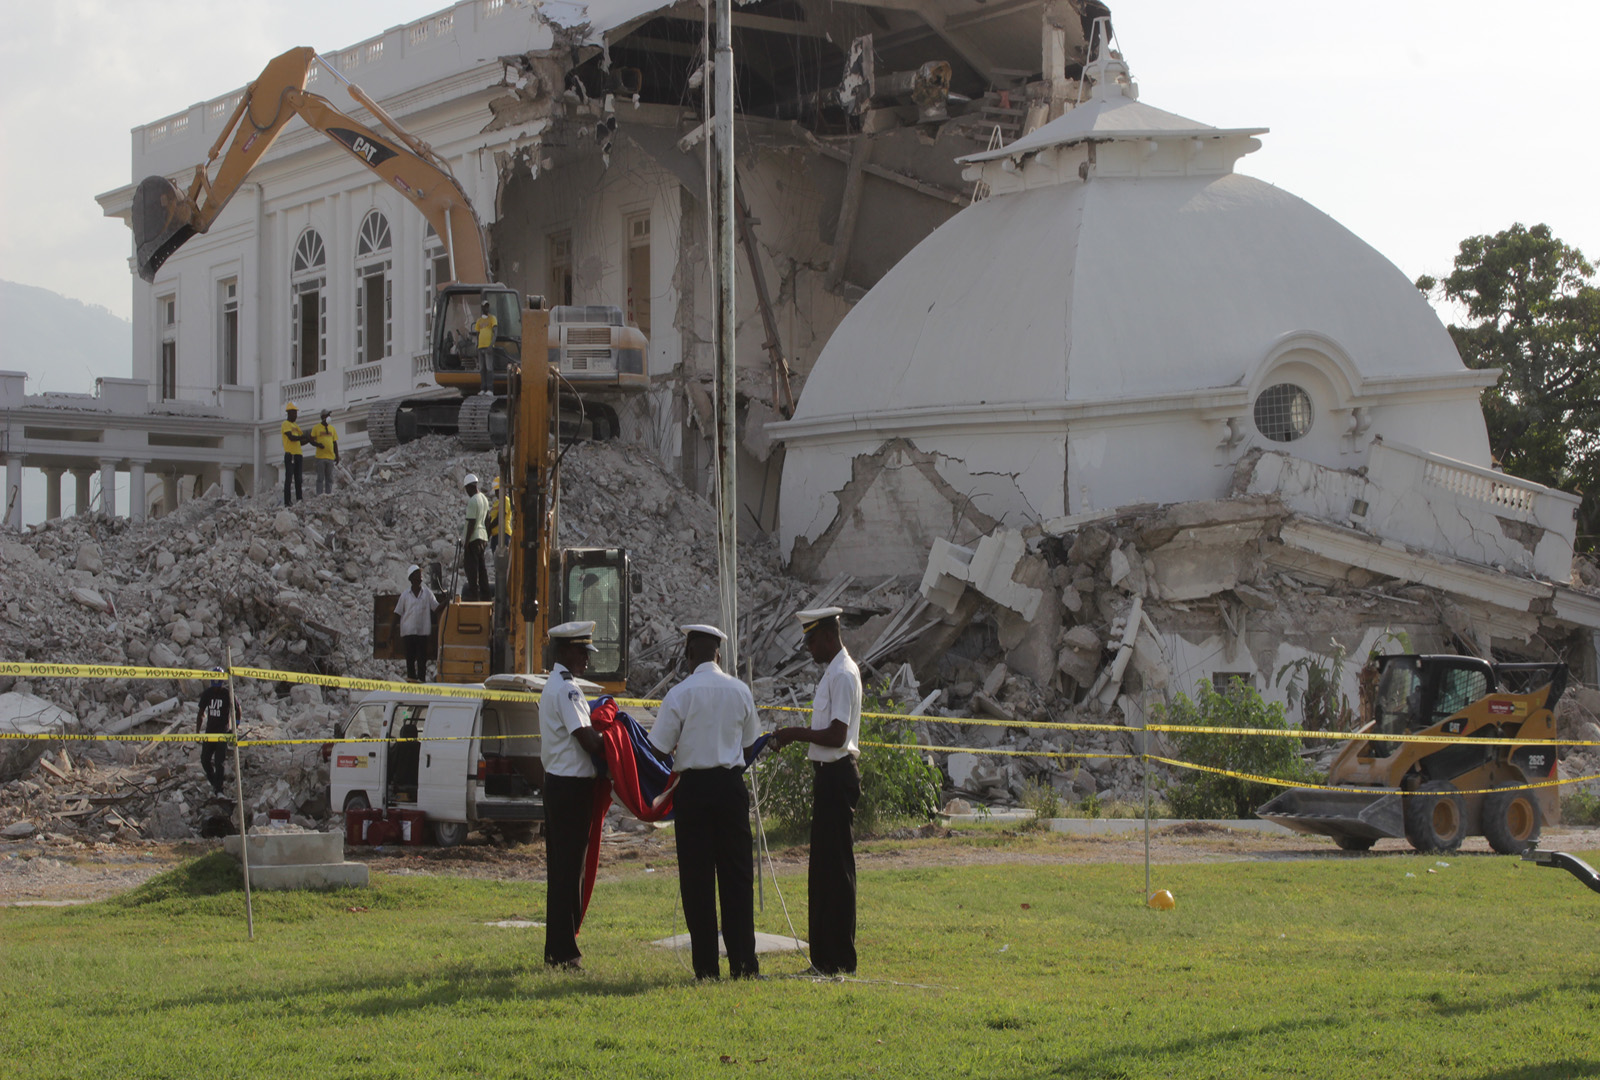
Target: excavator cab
(595, 586)
(468, 352)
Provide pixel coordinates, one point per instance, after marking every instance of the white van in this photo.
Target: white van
(477, 762)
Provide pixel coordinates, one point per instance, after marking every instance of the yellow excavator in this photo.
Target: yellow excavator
(1435, 794)
(599, 357)
(514, 397)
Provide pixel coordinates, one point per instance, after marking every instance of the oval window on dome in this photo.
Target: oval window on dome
(1283, 412)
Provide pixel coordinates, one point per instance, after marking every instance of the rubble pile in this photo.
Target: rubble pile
(248, 581)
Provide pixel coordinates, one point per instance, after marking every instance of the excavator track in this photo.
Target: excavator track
(472, 422)
(381, 424)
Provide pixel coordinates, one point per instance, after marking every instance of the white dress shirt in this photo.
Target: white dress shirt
(416, 612)
(838, 697)
(562, 711)
(706, 721)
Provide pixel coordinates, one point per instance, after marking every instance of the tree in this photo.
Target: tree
(1535, 314)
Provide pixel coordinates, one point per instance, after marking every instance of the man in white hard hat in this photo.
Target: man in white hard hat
(475, 541)
(707, 722)
(326, 438)
(413, 621)
(834, 736)
(566, 745)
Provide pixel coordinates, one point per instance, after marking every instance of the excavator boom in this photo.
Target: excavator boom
(165, 217)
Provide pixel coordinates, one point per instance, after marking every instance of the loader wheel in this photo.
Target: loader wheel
(1355, 843)
(1435, 818)
(1511, 821)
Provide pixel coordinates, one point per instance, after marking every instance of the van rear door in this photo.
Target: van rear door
(446, 749)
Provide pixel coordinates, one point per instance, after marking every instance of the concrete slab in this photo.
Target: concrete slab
(315, 876)
(765, 943)
(993, 817)
(290, 849)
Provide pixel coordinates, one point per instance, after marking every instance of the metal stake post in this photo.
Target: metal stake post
(238, 788)
(727, 438)
(1144, 758)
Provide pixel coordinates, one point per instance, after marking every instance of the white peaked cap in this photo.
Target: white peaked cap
(704, 628)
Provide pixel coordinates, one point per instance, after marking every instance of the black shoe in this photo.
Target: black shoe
(565, 965)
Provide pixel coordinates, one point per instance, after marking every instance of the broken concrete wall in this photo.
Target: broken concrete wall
(1431, 502)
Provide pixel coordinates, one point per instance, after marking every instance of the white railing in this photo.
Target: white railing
(299, 388)
(1481, 485)
(362, 375)
(421, 364)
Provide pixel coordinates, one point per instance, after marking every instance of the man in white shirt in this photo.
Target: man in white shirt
(475, 541)
(706, 722)
(566, 743)
(834, 735)
(413, 619)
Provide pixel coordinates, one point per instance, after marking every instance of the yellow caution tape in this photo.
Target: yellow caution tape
(998, 752)
(479, 693)
(1278, 782)
(118, 738)
(103, 671)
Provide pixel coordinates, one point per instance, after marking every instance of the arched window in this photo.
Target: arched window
(374, 235)
(308, 306)
(374, 289)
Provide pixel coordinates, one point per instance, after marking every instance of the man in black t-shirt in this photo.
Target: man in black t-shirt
(215, 702)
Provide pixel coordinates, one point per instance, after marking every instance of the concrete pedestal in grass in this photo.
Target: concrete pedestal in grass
(298, 860)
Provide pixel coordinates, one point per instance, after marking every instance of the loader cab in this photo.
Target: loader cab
(1417, 692)
(457, 357)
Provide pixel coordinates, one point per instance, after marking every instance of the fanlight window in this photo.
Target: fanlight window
(374, 235)
(309, 254)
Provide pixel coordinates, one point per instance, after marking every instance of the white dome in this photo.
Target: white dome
(1099, 332)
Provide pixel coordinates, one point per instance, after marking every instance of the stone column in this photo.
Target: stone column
(52, 492)
(227, 481)
(80, 479)
(13, 494)
(108, 487)
(169, 493)
(136, 490)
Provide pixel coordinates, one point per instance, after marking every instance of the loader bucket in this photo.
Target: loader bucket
(160, 223)
(1357, 812)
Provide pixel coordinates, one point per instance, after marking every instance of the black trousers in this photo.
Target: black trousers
(416, 656)
(711, 810)
(568, 807)
(293, 472)
(477, 572)
(212, 757)
(831, 881)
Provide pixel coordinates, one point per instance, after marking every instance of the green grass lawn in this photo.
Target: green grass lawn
(1347, 968)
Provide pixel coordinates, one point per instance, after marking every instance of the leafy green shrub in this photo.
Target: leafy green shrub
(1209, 795)
(1580, 808)
(1039, 795)
(894, 783)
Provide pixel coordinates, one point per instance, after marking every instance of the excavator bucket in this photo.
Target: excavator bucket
(1356, 813)
(161, 223)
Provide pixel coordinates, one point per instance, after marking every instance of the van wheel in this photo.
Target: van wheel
(1435, 817)
(356, 801)
(449, 833)
(1511, 821)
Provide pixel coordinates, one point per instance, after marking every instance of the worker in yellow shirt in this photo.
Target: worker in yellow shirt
(326, 437)
(485, 326)
(499, 517)
(294, 441)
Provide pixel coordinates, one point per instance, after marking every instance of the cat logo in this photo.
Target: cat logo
(1454, 727)
(373, 153)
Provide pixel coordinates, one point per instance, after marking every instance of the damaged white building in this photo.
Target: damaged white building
(1168, 423)
(577, 130)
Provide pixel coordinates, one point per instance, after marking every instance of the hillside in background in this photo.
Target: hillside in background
(63, 344)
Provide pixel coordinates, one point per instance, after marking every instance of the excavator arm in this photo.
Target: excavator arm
(164, 216)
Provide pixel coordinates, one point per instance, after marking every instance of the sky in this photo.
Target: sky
(1415, 123)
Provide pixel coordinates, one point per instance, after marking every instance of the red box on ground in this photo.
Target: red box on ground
(412, 826)
(356, 823)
